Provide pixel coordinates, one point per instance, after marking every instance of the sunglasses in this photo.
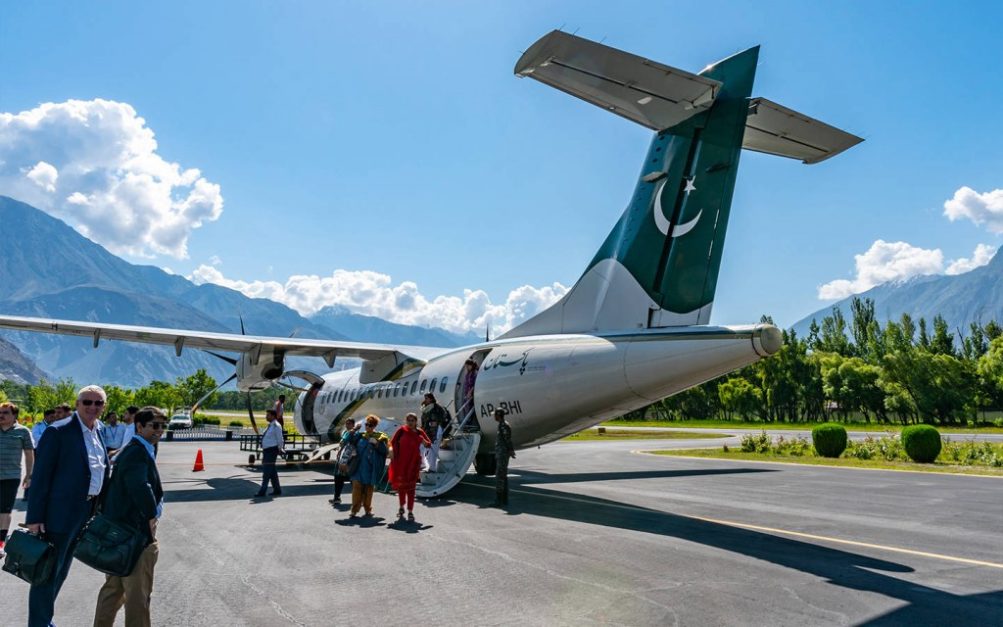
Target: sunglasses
(86, 402)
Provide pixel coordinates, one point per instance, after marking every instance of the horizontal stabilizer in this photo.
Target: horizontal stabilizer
(777, 130)
(653, 95)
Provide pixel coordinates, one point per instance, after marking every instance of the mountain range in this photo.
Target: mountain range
(47, 269)
(975, 296)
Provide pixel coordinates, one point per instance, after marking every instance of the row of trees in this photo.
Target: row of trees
(184, 392)
(904, 371)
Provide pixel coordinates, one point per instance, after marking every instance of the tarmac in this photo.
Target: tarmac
(596, 534)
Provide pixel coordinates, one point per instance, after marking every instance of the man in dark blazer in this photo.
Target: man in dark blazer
(71, 469)
(134, 499)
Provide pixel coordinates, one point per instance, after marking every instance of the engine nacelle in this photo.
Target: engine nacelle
(257, 370)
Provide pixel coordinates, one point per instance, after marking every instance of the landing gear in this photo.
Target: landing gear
(485, 465)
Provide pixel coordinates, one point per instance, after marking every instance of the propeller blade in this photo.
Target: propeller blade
(242, 332)
(199, 402)
(289, 386)
(229, 360)
(250, 414)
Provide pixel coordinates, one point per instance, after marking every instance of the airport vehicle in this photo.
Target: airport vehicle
(180, 421)
(632, 330)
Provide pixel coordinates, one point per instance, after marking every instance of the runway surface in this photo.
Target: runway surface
(595, 534)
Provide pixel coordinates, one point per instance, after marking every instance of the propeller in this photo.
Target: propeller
(250, 414)
(207, 395)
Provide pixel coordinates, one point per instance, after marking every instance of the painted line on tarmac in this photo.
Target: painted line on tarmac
(797, 534)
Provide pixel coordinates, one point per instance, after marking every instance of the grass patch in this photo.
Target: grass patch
(783, 426)
(938, 466)
(627, 434)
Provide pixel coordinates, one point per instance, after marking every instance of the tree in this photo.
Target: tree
(191, 389)
(834, 338)
(942, 342)
(739, 396)
(118, 398)
(158, 394)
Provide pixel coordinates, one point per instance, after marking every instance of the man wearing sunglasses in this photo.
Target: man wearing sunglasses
(71, 468)
(135, 499)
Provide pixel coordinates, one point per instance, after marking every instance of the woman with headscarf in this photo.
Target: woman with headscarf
(405, 462)
(372, 452)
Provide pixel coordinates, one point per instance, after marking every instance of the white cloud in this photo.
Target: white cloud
(982, 255)
(373, 294)
(43, 175)
(898, 261)
(95, 164)
(981, 209)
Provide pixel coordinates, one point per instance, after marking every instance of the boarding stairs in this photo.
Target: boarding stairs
(456, 455)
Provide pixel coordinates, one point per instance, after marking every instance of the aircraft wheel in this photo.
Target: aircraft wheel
(485, 465)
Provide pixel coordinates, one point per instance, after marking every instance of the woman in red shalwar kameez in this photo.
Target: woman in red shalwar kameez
(405, 462)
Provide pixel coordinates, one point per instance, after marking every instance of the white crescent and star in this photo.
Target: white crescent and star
(663, 223)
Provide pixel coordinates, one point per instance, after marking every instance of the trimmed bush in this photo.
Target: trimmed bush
(236, 423)
(922, 443)
(829, 439)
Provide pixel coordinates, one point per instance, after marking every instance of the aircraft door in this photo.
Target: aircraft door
(466, 407)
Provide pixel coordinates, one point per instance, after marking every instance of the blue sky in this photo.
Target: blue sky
(372, 145)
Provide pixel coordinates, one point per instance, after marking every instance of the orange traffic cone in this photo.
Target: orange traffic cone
(198, 462)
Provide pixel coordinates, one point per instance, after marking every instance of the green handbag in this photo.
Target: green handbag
(29, 557)
(110, 547)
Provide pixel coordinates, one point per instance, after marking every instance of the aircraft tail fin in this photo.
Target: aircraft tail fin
(659, 265)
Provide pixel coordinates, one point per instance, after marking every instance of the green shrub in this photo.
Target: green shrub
(796, 447)
(236, 423)
(756, 443)
(829, 439)
(922, 443)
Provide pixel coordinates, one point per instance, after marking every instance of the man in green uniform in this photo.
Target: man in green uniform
(503, 451)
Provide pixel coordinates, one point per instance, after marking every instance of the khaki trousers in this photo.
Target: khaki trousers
(133, 591)
(362, 496)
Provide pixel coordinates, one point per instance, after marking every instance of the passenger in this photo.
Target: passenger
(70, 471)
(372, 447)
(15, 442)
(271, 446)
(280, 406)
(130, 428)
(114, 433)
(134, 499)
(340, 474)
(434, 422)
(48, 417)
(405, 462)
(469, 379)
(503, 451)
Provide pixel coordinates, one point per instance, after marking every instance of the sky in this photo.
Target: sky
(382, 156)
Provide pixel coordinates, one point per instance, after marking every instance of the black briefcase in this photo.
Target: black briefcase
(109, 547)
(29, 557)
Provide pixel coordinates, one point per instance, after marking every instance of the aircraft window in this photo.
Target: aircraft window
(423, 383)
(431, 387)
(397, 388)
(379, 392)
(442, 386)
(414, 384)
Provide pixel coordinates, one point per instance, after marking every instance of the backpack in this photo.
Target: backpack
(348, 459)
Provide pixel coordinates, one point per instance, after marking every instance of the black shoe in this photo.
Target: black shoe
(276, 492)
(336, 499)
(400, 513)
(410, 516)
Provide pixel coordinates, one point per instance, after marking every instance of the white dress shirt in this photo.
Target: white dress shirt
(272, 436)
(96, 457)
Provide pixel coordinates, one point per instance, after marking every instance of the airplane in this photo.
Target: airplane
(631, 331)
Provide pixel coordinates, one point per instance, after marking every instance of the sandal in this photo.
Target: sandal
(400, 513)
(410, 516)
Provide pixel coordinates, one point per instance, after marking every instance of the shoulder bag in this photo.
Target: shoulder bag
(109, 546)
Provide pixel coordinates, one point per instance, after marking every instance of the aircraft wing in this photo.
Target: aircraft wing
(181, 339)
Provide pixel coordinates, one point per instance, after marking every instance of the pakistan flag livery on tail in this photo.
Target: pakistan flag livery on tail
(631, 331)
